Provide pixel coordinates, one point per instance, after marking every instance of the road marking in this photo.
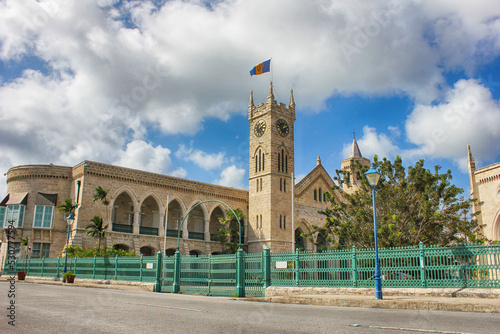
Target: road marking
(163, 306)
(417, 330)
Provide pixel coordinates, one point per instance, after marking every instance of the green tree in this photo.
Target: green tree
(101, 195)
(67, 207)
(97, 229)
(413, 205)
(25, 245)
(229, 232)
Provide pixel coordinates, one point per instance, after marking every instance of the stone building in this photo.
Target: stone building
(485, 188)
(145, 209)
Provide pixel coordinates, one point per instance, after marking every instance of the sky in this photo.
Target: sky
(164, 86)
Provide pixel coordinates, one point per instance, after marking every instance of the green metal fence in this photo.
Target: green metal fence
(461, 266)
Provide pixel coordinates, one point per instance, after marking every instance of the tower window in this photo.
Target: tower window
(286, 163)
(281, 222)
(282, 160)
(260, 161)
(284, 185)
(263, 162)
(255, 164)
(279, 162)
(281, 184)
(284, 222)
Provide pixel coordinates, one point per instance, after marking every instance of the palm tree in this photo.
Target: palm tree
(97, 229)
(100, 195)
(67, 206)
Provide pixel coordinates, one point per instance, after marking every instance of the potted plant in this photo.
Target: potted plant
(21, 275)
(69, 277)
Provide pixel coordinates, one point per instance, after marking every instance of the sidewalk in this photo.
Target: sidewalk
(445, 299)
(463, 300)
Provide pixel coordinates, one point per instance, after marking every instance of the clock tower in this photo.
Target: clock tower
(270, 174)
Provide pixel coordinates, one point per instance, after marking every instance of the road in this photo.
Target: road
(41, 308)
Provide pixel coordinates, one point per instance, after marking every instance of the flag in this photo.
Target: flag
(261, 68)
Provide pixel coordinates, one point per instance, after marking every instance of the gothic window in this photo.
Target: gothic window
(260, 161)
(263, 161)
(284, 222)
(282, 160)
(279, 162)
(284, 185)
(286, 164)
(320, 194)
(281, 184)
(324, 197)
(315, 195)
(281, 221)
(255, 164)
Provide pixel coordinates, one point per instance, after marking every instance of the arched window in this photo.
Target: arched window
(320, 192)
(284, 185)
(282, 159)
(260, 161)
(279, 162)
(324, 197)
(281, 221)
(286, 164)
(315, 195)
(263, 161)
(256, 164)
(284, 222)
(281, 184)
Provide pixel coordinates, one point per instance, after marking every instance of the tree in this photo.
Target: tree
(97, 229)
(101, 195)
(25, 245)
(413, 205)
(229, 232)
(67, 207)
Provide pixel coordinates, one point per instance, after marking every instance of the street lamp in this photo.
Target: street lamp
(373, 176)
(70, 219)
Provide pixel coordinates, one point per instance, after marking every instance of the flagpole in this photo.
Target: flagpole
(166, 225)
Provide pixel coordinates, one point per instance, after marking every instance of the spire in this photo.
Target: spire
(318, 161)
(470, 160)
(251, 104)
(292, 101)
(355, 152)
(270, 96)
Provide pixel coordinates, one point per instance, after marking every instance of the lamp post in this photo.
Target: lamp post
(70, 219)
(373, 176)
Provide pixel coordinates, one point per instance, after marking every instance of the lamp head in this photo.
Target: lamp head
(372, 176)
(70, 219)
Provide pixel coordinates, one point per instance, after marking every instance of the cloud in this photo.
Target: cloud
(232, 176)
(201, 159)
(468, 115)
(372, 143)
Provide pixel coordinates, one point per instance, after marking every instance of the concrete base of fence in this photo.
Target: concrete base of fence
(463, 300)
(90, 283)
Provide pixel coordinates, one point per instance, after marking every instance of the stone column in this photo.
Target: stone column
(207, 229)
(135, 228)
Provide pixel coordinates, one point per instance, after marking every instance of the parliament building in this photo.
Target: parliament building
(146, 209)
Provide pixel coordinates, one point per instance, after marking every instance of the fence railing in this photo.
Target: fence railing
(460, 266)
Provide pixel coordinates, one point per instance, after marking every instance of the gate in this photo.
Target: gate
(214, 275)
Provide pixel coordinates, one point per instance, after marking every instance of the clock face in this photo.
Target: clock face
(282, 127)
(260, 128)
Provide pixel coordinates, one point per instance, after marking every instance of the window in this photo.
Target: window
(263, 161)
(320, 194)
(281, 184)
(279, 162)
(284, 222)
(40, 250)
(281, 221)
(284, 185)
(2, 215)
(324, 197)
(16, 213)
(43, 216)
(315, 195)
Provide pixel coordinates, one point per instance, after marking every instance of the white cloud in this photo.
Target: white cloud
(145, 156)
(372, 143)
(204, 160)
(232, 176)
(469, 115)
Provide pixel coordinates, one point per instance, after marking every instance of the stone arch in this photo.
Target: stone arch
(496, 227)
(302, 227)
(148, 250)
(150, 215)
(214, 224)
(170, 252)
(195, 252)
(155, 196)
(123, 204)
(175, 214)
(259, 157)
(123, 246)
(282, 156)
(195, 223)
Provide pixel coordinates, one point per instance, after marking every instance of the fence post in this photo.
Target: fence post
(57, 268)
(354, 267)
(140, 270)
(158, 271)
(240, 273)
(423, 279)
(297, 274)
(116, 267)
(93, 269)
(209, 281)
(43, 265)
(177, 272)
(266, 267)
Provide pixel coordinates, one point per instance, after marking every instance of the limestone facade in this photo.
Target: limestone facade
(485, 188)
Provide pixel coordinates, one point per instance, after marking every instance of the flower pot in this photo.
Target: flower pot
(21, 275)
(70, 278)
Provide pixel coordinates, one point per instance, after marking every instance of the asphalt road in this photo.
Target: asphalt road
(43, 308)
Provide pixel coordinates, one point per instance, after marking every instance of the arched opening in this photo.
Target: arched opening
(149, 217)
(216, 253)
(215, 224)
(170, 252)
(194, 253)
(122, 216)
(174, 219)
(320, 243)
(122, 247)
(299, 240)
(147, 251)
(196, 224)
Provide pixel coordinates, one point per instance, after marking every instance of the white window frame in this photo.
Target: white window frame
(11, 214)
(47, 214)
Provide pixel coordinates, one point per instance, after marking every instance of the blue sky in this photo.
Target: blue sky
(164, 86)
